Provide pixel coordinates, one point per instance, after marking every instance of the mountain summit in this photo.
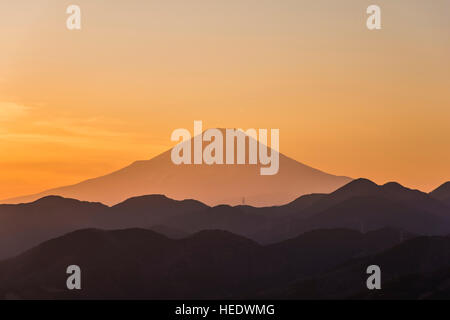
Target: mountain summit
(212, 184)
(442, 193)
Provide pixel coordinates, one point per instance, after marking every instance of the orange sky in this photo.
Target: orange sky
(349, 101)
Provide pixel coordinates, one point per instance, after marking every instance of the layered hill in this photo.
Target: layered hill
(415, 269)
(141, 264)
(360, 205)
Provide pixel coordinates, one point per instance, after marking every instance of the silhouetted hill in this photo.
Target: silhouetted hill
(150, 210)
(360, 205)
(391, 191)
(442, 193)
(137, 263)
(432, 286)
(25, 225)
(371, 213)
(410, 270)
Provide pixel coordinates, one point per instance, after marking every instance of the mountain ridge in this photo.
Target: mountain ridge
(216, 264)
(359, 205)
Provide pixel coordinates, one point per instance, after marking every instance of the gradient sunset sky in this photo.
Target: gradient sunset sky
(348, 101)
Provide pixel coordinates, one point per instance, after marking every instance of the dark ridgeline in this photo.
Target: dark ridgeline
(138, 263)
(360, 205)
(317, 246)
(442, 193)
(418, 268)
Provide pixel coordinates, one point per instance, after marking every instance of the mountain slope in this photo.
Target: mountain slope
(410, 270)
(359, 205)
(211, 184)
(137, 263)
(392, 191)
(442, 193)
(25, 225)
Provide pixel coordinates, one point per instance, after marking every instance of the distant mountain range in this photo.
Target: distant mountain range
(141, 264)
(210, 184)
(153, 247)
(415, 269)
(359, 205)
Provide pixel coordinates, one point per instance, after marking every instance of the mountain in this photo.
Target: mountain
(315, 246)
(211, 184)
(141, 264)
(360, 205)
(442, 193)
(25, 225)
(391, 191)
(415, 269)
(149, 210)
